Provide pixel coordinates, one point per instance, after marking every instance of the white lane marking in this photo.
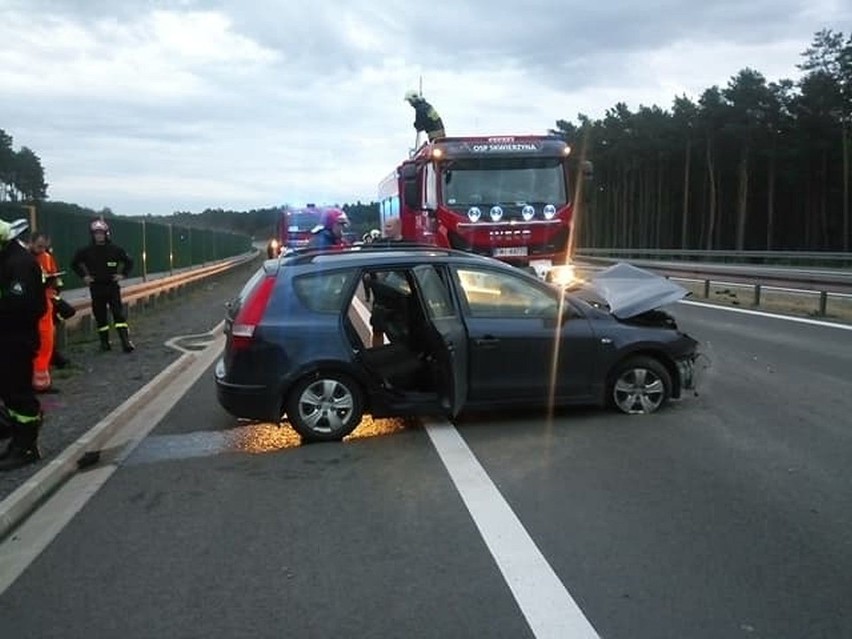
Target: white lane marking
(546, 604)
(788, 318)
(28, 541)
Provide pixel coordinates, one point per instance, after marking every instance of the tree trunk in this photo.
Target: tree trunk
(658, 240)
(711, 209)
(846, 238)
(742, 198)
(770, 201)
(823, 203)
(628, 209)
(685, 219)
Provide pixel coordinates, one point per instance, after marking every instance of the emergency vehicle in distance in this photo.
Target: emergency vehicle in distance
(506, 197)
(294, 228)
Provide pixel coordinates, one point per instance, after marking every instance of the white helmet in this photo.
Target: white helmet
(14, 229)
(412, 96)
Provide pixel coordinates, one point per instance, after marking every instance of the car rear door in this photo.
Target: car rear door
(447, 335)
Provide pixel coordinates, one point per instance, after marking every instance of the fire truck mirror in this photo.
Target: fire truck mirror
(411, 194)
(408, 172)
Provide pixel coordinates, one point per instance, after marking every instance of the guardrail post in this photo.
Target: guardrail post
(706, 289)
(144, 252)
(823, 302)
(757, 294)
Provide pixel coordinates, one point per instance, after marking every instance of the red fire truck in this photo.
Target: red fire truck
(293, 228)
(507, 197)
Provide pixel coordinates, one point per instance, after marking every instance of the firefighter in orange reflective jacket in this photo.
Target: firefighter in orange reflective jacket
(50, 273)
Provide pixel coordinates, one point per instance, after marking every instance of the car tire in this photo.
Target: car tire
(639, 386)
(325, 407)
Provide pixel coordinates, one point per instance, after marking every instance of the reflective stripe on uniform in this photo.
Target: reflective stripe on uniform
(121, 325)
(22, 419)
(103, 329)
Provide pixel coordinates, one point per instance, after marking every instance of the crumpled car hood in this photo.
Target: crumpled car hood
(630, 291)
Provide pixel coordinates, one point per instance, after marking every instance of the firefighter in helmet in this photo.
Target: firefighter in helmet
(39, 243)
(330, 234)
(22, 304)
(426, 118)
(102, 265)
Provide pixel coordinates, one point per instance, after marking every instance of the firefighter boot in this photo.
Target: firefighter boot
(104, 337)
(23, 449)
(124, 335)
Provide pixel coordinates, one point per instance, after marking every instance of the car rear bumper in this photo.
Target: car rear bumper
(246, 401)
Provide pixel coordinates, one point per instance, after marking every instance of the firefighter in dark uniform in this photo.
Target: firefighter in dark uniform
(426, 118)
(102, 265)
(22, 304)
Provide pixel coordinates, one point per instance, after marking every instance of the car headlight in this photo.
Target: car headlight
(549, 212)
(496, 213)
(473, 214)
(563, 275)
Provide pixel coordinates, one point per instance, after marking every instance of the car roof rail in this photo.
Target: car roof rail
(307, 254)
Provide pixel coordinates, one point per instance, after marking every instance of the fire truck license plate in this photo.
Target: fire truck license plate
(510, 251)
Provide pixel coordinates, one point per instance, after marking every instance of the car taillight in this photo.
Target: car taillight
(251, 312)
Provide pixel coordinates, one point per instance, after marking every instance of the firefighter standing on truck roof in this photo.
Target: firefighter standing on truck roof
(426, 118)
(22, 304)
(102, 265)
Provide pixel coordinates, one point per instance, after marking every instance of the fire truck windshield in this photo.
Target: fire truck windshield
(302, 220)
(491, 180)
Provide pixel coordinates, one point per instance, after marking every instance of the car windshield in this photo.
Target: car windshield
(493, 181)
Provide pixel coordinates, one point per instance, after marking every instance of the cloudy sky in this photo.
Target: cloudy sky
(152, 106)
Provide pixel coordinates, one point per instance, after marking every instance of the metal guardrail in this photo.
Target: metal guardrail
(823, 284)
(834, 280)
(150, 290)
(792, 258)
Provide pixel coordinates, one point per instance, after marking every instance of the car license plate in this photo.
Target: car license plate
(510, 251)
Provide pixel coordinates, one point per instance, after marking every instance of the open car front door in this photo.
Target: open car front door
(447, 336)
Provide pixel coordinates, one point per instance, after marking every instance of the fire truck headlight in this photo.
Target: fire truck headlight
(549, 212)
(473, 214)
(496, 213)
(274, 245)
(528, 213)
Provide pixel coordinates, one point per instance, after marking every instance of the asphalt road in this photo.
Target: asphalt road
(726, 515)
